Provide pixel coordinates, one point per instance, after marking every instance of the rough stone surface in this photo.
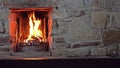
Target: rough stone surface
(6, 27)
(116, 20)
(70, 4)
(4, 49)
(100, 20)
(28, 3)
(4, 54)
(112, 50)
(80, 31)
(4, 13)
(83, 51)
(60, 26)
(59, 13)
(111, 37)
(59, 40)
(0, 2)
(3, 21)
(98, 51)
(4, 38)
(61, 45)
(87, 4)
(118, 49)
(98, 4)
(1, 27)
(112, 5)
(78, 44)
(75, 13)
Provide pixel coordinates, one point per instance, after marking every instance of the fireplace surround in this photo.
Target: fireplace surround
(69, 28)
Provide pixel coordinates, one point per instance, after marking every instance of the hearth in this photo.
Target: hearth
(30, 28)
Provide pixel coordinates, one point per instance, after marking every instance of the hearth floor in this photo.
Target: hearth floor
(42, 56)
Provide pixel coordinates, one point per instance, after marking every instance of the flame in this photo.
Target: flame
(34, 31)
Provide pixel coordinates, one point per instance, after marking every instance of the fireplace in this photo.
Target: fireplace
(30, 28)
(59, 28)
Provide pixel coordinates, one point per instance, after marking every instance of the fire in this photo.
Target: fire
(34, 30)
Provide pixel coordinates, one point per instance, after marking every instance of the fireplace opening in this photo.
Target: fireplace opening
(30, 28)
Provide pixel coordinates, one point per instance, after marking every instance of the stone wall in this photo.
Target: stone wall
(4, 28)
(80, 27)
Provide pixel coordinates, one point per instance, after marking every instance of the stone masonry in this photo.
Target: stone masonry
(80, 27)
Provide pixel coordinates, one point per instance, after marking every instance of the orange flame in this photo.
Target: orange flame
(34, 31)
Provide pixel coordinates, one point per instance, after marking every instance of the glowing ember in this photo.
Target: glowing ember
(34, 31)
